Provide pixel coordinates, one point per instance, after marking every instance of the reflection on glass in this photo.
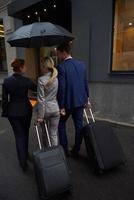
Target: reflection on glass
(3, 64)
(33, 101)
(123, 43)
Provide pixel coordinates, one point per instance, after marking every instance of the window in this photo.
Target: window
(123, 38)
(3, 64)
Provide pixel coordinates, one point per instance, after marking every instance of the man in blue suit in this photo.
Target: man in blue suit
(73, 95)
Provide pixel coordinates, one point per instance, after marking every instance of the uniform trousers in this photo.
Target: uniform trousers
(20, 126)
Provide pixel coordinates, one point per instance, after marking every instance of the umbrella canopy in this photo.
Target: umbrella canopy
(39, 34)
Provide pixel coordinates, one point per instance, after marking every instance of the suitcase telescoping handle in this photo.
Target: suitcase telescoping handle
(91, 113)
(38, 135)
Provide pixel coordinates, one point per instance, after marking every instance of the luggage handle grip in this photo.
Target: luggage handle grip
(38, 135)
(91, 113)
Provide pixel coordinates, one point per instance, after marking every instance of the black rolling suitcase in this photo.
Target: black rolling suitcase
(103, 146)
(51, 169)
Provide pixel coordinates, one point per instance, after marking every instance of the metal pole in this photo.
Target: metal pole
(49, 142)
(91, 113)
(38, 136)
(86, 116)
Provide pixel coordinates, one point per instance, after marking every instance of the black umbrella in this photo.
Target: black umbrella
(39, 34)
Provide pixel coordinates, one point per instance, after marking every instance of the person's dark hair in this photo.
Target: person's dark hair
(66, 46)
(17, 64)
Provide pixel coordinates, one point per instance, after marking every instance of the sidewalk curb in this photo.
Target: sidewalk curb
(114, 122)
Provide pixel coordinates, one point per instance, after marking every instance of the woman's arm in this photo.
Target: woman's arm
(4, 101)
(32, 85)
(41, 99)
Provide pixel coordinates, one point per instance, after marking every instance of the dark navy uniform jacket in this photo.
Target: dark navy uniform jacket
(73, 86)
(15, 101)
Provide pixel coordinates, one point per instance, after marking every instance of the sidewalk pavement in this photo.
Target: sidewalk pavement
(114, 185)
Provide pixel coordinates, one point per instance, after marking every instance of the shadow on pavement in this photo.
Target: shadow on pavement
(117, 184)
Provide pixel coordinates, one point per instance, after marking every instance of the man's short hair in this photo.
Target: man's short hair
(65, 46)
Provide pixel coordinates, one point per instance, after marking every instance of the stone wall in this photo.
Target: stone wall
(8, 23)
(113, 102)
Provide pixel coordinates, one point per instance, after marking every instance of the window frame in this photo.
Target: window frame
(119, 72)
(4, 70)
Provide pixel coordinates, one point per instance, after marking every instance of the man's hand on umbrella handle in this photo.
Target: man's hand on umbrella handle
(62, 111)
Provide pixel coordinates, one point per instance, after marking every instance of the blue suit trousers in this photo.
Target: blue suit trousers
(77, 116)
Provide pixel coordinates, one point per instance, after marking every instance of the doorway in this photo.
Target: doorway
(54, 11)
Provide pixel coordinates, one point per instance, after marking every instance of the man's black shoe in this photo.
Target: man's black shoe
(67, 153)
(29, 158)
(74, 153)
(24, 167)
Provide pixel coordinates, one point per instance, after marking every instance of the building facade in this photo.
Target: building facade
(111, 70)
(104, 32)
(7, 54)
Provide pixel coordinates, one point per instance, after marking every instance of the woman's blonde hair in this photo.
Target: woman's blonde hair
(48, 63)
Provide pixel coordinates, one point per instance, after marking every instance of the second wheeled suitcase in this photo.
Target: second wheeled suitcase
(51, 169)
(102, 145)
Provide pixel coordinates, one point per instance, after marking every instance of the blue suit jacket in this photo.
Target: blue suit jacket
(73, 86)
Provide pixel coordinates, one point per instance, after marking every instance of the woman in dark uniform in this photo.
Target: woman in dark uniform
(17, 107)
